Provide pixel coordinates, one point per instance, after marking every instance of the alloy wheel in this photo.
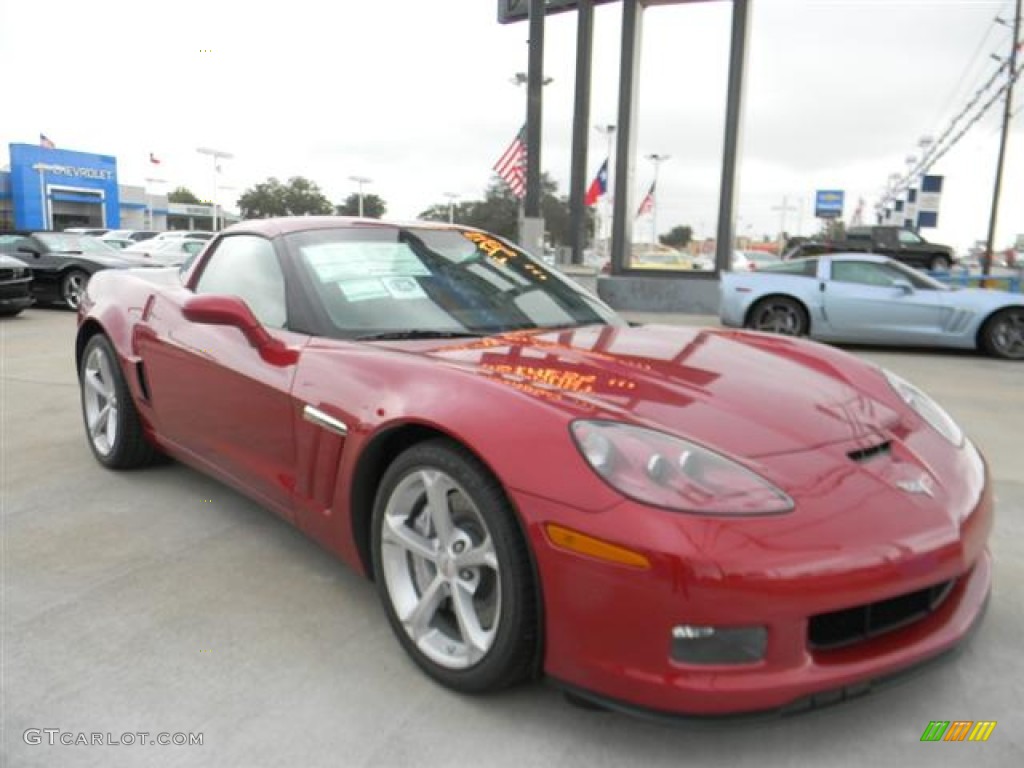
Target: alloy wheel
(442, 572)
(99, 396)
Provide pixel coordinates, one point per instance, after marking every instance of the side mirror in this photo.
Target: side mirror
(903, 285)
(211, 309)
(29, 251)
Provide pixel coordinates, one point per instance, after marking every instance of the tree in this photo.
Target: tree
(374, 206)
(678, 237)
(299, 197)
(498, 212)
(184, 196)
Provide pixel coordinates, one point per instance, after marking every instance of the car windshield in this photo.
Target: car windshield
(69, 243)
(381, 280)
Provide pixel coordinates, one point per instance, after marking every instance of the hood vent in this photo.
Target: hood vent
(866, 454)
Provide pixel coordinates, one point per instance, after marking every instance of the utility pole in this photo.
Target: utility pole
(783, 210)
(986, 267)
(451, 205)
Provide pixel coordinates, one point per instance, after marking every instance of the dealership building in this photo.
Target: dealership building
(46, 188)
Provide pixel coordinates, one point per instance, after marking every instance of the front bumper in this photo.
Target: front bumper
(608, 628)
(16, 295)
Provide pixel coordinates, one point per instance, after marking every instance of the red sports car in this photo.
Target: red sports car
(679, 521)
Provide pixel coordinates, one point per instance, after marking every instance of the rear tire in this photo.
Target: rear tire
(453, 571)
(779, 314)
(1003, 334)
(112, 425)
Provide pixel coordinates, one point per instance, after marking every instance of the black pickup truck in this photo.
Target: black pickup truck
(895, 242)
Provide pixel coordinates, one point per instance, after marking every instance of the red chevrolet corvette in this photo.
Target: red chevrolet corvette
(670, 520)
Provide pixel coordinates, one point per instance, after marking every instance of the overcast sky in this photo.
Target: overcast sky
(417, 96)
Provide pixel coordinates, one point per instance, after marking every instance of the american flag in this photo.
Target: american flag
(647, 204)
(45, 142)
(511, 166)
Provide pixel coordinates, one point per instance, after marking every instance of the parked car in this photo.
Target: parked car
(62, 263)
(167, 253)
(120, 243)
(742, 261)
(92, 232)
(684, 520)
(174, 234)
(15, 285)
(858, 297)
(138, 235)
(903, 245)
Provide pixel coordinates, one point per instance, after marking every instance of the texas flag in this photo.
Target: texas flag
(45, 142)
(154, 159)
(598, 186)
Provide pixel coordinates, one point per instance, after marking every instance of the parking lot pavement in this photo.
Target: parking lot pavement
(160, 601)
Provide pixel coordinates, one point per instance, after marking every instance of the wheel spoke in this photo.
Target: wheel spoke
(99, 423)
(417, 620)
(398, 533)
(92, 380)
(437, 486)
(476, 639)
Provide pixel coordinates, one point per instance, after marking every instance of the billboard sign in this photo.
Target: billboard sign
(828, 203)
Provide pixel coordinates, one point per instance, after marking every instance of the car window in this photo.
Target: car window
(11, 243)
(882, 274)
(909, 238)
(803, 267)
(247, 267)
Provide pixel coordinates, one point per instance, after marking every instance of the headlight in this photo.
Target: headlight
(926, 408)
(667, 471)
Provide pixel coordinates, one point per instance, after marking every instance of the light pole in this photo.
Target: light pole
(608, 131)
(42, 168)
(451, 205)
(216, 155)
(657, 160)
(149, 200)
(360, 180)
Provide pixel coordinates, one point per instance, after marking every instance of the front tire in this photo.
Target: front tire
(1003, 334)
(72, 288)
(939, 264)
(779, 314)
(112, 424)
(452, 569)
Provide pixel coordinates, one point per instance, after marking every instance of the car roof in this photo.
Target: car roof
(854, 256)
(289, 224)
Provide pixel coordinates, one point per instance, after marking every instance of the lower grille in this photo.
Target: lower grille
(853, 625)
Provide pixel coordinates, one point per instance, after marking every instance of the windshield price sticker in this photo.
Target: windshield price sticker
(334, 262)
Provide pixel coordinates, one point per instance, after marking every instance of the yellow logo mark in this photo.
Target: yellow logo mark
(982, 730)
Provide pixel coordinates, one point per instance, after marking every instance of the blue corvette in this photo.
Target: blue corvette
(862, 298)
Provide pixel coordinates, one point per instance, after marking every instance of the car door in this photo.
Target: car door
(876, 301)
(211, 392)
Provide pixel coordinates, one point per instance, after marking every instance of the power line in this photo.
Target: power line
(951, 136)
(954, 94)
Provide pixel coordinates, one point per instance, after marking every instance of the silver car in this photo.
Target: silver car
(862, 298)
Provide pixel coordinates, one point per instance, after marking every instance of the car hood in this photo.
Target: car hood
(732, 391)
